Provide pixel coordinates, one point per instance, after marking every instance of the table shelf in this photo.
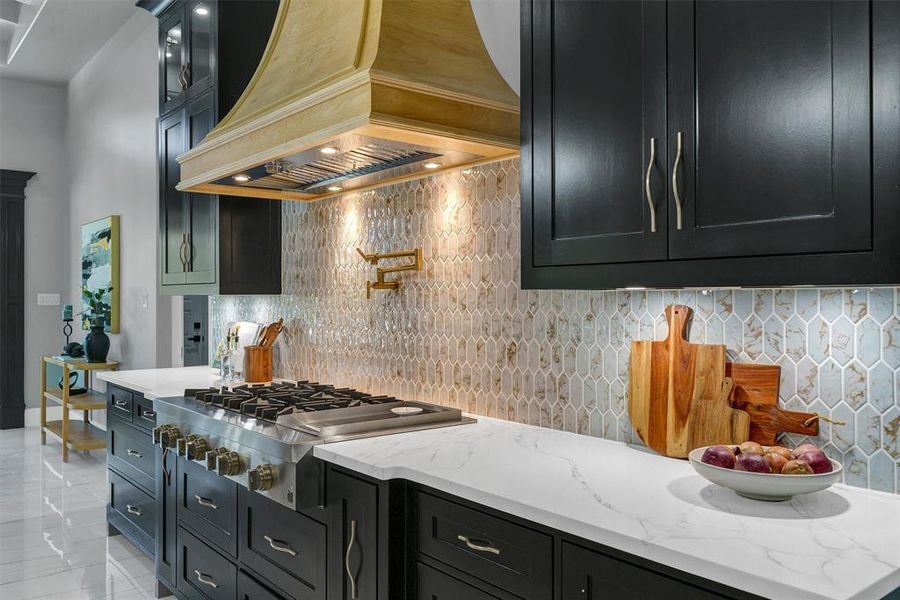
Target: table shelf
(82, 436)
(92, 400)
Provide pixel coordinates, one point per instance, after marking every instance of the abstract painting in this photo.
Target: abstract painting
(100, 265)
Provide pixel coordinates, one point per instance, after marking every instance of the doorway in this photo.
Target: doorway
(196, 335)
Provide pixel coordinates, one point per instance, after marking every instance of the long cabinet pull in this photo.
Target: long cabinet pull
(480, 547)
(182, 254)
(205, 579)
(279, 546)
(206, 502)
(189, 253)
(350, 574)
(134, 453)
(133, 510)
(647, 190)
(678, 205)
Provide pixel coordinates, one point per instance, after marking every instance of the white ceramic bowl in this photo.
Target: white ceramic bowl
(764, 486)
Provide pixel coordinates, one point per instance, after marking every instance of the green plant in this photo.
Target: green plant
(98, 311)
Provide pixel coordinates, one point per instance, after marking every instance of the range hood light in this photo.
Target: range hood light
(334, 188)
(201, 10)
(328, 150)
(432, 165)
(242, 177)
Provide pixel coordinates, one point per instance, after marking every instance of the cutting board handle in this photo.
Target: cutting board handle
(678, 316)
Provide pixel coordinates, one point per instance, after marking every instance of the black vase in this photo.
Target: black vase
(96, 344)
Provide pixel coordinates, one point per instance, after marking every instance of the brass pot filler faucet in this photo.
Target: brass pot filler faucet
(380, 283)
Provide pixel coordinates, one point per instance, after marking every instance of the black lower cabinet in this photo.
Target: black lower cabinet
(207, 504)
(166, 522)
(203, 573)
(133, 510)
(353, 561)
(250, 589)
(437, 585)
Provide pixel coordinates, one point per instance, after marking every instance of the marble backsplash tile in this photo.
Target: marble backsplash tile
(462, 333)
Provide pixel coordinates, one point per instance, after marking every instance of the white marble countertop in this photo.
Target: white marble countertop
(841, 543)
(161, 383)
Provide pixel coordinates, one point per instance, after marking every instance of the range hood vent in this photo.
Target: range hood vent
(356, 94)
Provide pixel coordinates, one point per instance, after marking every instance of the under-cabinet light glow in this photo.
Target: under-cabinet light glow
(242, 178)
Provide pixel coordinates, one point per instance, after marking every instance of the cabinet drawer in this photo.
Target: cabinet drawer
(509, 556)
(119, 402)
(144, 415)
(136, 506)
(591, 575)
(432, 584)
(131, 453)
(250, 589)
(203, 573)
(284, 546)
(207, 503)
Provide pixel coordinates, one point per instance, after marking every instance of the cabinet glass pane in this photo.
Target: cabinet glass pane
(201, 42)
(172, 49)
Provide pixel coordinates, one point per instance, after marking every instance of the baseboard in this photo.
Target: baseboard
(54, 413)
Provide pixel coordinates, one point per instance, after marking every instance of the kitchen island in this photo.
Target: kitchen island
(842, 543)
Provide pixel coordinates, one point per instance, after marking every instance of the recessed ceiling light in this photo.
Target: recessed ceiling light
(242, 177)
(334, 188)
(328, 150)
(432, 165)
(168, 54)
(201, 10)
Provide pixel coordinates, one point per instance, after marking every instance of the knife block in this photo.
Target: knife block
(257, 364)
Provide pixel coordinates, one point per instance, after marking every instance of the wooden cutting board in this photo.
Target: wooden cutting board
(713, 421)
(756, 392)
(665, 377)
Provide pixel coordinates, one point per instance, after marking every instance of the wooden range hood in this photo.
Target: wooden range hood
(357, 94)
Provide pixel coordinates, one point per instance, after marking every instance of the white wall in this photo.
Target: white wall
(32, 133)
(111, 152)
(498, 23)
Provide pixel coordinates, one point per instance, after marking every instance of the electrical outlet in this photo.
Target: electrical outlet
(48, 299)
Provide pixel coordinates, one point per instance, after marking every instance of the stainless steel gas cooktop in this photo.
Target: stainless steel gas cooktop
(261, 436)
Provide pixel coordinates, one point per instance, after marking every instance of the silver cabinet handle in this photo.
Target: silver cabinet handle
(486, 547)
(347, 560)
(647, 189)
(149, 414)
(121, 403)
(205, 579)
(207, 503)
(279, 546)
(134, 510)
(189, 253)
(134, 453)
(678, 153)
(182, 253)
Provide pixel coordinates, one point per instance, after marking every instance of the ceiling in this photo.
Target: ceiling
(49, 41)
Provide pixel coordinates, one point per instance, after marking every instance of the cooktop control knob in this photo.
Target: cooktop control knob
(197, 449)
(168, 437)
(228, 463)
(181, 444)
(212, 457)
(261, 478)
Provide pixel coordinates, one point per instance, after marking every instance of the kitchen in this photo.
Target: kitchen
(459, 317)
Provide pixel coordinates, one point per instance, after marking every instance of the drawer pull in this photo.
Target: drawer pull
(647, 190)
(134, 510)
(675, 192)
(134, 453)
(350, 574)
(474, 545)
(205, 579)
(279, 546)
(206, 502)
(149, 414)
(121, 403)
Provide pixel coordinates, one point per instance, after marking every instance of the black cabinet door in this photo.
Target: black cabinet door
(201, 18)
(202, 234)
(771, 102)
(249, 245)
(173, 208)
(166, 547)
(353, 537)
(598, 127)
(172, 59)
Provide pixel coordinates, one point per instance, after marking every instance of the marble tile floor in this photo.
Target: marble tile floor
(53, 542)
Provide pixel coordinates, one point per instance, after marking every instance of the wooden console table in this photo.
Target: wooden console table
(75, 435)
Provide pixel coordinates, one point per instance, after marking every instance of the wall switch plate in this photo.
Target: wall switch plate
(48, 299)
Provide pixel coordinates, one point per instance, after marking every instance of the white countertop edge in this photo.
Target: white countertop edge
(699, 567)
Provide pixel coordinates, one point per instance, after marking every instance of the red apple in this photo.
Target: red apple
(754, 463)
(751, 448)
(780, 450)
(803, 448)
(817, 461)
(719, 456)
(796, 467)
(776, 461)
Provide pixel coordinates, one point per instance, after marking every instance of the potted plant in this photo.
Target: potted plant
(96, 343)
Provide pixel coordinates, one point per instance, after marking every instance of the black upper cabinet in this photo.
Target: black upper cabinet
(773, 106)
(208, 52)
(599, 117)
(776, 134)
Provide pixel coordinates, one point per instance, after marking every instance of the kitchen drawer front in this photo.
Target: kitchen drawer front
(120, 402)
(134, 505)
(131, 452)
(432, 584)
(144, 415)
(250, 589)
(207, 503)
(285, 547)
(507, 555)
(591, 575)
(203, 573)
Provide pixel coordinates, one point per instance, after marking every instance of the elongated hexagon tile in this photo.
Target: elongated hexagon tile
(856, 468)
(856, 304)
(784, 303)
(842, 343)
(724, 300)
(807, 303)
(890, 432)
(868, 341)
(763, 303)
(773, 330)
(753, 337)
(818, 339)
(855, 385)
(881, 472)
(795, 338)
(881, 387)
(868, 429)
(743, 303)
(830, 383)
(890, 342)
(831, 303)
(881, 304)
(842, 436)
